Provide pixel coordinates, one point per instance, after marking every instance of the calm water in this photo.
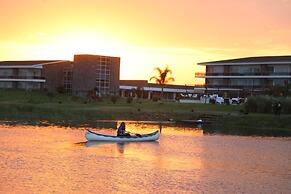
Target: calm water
(58, 160)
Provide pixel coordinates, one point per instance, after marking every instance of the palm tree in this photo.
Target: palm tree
(162, 77)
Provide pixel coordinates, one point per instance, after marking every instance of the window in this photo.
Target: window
(103, 76)
(6, 72)
(6, 84)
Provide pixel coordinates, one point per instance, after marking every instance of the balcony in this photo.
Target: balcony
(22, 78)
(246, 74)
(200, 74)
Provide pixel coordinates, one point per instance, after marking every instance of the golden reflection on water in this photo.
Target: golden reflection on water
(164, 128)
(55, 159)
(169, 159)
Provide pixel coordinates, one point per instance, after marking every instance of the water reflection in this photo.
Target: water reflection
(120, 146)
(46, 160)
(206, 129)
(243, 131)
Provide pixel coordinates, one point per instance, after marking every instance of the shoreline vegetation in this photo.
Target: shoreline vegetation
(65, 110)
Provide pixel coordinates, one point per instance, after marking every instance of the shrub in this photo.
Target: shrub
(129, 100)
(50, 94)
(264, 104)
(251, 105)
(114, 99)
(261, 104)
(61, 90)
(155, 98)
(286, 105)
(75, 98)
(212, 101)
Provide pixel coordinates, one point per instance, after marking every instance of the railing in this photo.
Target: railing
(21, 77)
(232, 86)
(199, 74)
(238, 86)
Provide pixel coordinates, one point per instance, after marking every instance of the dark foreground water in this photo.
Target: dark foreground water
(59, 160)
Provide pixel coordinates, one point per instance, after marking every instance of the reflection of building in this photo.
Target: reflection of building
(86, 73)
(143, 89)
(253, 74)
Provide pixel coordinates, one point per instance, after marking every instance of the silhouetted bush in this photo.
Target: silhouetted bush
(260, 104)
(264, 104)
(50, 94)
(155, 98)
(61, 90)
(286, 105)
(129, 100)
(75, 98)
(114, 99)
(212, 101)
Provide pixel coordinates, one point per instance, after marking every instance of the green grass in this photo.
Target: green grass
(59, 108)
(58, 101)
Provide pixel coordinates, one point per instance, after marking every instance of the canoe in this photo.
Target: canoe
(92, 136)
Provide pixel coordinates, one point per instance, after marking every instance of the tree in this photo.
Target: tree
(279, 90)
(162, 78)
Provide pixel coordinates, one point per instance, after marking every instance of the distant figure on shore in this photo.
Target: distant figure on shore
(121, 130)
(277, 108)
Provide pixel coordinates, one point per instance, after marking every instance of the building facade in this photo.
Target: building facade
(143, 89)
(28, 75)
(97, 73)
(252, 74)
(86, 74)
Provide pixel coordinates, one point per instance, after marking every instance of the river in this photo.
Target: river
(53, 159)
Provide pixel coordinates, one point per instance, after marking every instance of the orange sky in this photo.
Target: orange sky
(145, 34)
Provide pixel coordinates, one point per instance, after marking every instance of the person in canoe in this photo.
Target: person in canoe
(121, 130)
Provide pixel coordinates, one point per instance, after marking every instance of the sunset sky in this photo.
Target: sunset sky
(145, 33)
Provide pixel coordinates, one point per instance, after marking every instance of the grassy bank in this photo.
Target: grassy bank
(57, 108)
(36, 105)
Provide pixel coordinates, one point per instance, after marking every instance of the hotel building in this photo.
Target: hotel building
(85, 74)
(30, 75)
(251, 74)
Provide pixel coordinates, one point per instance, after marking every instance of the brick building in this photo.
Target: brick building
(87, 73)
(94, 72)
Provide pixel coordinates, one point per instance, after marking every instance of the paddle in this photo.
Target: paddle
(138, 135)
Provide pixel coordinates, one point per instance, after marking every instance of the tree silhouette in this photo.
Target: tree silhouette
(162, 78)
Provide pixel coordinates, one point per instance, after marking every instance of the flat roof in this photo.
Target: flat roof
(144, 83)
(25, 63)
(29, 64)
(252, 60)
(92, 55)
